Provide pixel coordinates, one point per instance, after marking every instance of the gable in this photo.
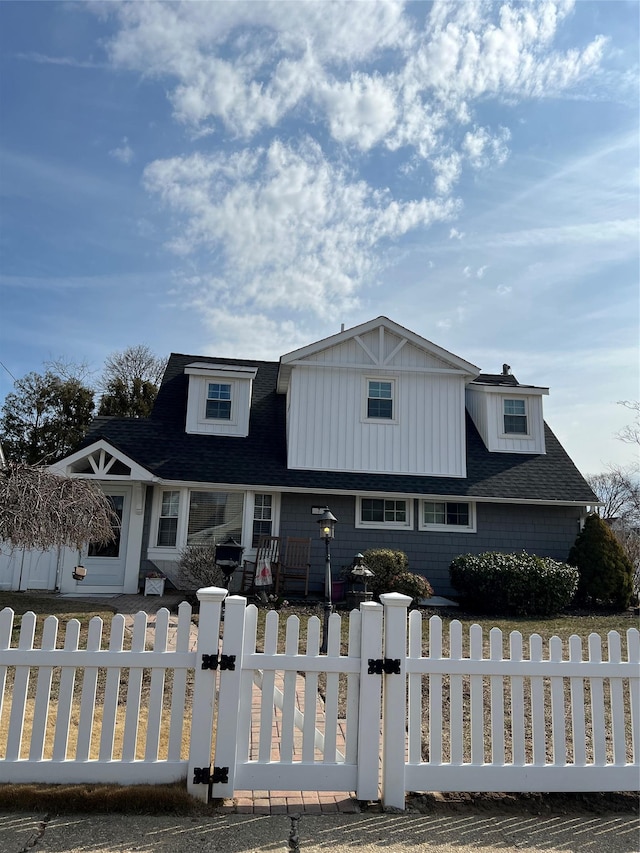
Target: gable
(102, 461)
(381, 344)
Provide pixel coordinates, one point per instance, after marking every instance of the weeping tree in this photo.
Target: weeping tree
(42, 510)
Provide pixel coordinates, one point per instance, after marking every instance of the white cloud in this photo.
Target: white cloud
(503, 289)
(481, 271)
(455, 234)
(292, 229)
(124, 153)
(467, 272)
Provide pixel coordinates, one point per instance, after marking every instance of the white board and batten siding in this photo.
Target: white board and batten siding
(486, 407)
(327, 425)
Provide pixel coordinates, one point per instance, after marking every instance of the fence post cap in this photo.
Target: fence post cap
(211, 593)
(395, 599)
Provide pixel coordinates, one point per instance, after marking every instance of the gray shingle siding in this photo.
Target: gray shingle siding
(544, 530)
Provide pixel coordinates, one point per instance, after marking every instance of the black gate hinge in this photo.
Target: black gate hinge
(213, 661)
(204, 776)
(390, 666)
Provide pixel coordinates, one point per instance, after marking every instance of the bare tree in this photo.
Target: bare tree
(631, 432)
(39, 509)
(130, 382)
(133, 363)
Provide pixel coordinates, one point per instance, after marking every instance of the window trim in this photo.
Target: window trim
(233, 413)
(161, 517)
(394, 400)
(472, 527)
(503, 415)
(384, 525)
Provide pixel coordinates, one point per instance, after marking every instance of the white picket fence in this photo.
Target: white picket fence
(400, 711)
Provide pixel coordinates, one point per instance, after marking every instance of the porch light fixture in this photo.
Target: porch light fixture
(327, 522)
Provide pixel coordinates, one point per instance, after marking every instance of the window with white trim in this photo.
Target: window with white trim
(262, 518)
(213, 516)
(380, 399)
(168, 520)
(515, 417)
(218, 403)
(452, 516)
(384, 512)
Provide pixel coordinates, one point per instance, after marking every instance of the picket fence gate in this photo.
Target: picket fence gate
(392, 718)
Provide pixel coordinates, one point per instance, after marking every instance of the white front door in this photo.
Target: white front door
(105, 564)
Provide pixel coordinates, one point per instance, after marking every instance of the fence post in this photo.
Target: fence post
(204, 690)
(394, 699)
(235, 608)
(369, 710)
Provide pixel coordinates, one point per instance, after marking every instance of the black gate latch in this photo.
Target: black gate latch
(204, 776)
(390, 666)
(213, 661)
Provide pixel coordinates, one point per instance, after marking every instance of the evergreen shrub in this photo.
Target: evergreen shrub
(513, 584)
(605, 571)
(391, 574)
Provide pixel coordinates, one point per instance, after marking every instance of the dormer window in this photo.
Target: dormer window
(218, 404)
(515, 417)
(219, 398)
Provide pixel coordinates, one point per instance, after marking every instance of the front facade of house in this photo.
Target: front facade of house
(410, 446)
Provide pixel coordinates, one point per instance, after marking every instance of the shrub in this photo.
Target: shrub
(391, 574)
(606, 573)
(514, 584)
(197, 565)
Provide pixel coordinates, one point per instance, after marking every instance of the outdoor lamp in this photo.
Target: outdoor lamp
(327, 522)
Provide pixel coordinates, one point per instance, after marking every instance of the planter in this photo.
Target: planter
(154, 586)
(337, 590)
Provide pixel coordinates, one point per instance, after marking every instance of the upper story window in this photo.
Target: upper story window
(380, 394)
(451, 516)
(515, 417)
(384, 512)
(218, 404)
(168, 521)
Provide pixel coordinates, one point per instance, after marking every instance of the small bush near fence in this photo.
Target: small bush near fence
(391, 574)
(517, 584)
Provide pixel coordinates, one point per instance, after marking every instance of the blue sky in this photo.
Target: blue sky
(240, 179)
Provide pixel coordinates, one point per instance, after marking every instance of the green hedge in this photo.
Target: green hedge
(514, 584)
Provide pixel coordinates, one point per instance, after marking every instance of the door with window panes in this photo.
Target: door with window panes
(105, 563)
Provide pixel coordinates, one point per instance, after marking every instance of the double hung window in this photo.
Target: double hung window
(380, 399)
(262, 517)
(168, 521)
(218, 404)
(515, 417)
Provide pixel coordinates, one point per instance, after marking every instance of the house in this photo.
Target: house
(410, 446)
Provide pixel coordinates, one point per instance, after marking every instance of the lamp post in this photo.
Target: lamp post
(327, 522)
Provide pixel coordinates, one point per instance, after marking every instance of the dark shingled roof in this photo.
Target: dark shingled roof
(160, 444)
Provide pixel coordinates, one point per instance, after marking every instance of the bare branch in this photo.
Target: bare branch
(42, 510)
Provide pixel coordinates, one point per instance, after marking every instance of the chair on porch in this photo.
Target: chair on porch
(295, 565)
(268, 549)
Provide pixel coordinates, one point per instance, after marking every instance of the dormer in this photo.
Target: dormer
(507, 415)
(376, 398)
(219, 398)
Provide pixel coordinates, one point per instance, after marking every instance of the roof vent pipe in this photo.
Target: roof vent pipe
(506, 369)
(342, 327)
